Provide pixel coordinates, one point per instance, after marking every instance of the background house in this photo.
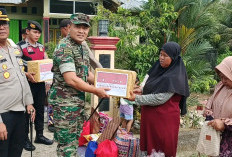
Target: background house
(49, 13)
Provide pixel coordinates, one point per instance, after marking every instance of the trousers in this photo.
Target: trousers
(13, 146)
(39, 95)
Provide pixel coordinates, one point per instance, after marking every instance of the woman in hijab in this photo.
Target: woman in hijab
(163, 95)
(219, 106)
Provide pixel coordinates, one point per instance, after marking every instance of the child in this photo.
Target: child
(126, 111)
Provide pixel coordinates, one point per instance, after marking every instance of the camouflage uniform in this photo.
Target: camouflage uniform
(68, 103)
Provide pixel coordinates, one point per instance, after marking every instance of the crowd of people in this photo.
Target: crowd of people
(162, 94)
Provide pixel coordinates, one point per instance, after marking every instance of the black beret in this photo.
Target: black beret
(34, 25)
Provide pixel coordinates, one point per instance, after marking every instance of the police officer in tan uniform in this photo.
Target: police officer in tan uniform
(15, 94)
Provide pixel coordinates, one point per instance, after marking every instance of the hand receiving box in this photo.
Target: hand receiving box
(120, 82)
(41, 68)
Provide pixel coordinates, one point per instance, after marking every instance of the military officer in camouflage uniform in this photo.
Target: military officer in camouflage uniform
(67, 94)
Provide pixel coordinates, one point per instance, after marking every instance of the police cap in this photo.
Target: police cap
(3, 15)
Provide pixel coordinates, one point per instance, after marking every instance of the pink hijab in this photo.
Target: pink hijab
(221, 100)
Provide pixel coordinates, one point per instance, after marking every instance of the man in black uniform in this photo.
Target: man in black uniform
(32, 50)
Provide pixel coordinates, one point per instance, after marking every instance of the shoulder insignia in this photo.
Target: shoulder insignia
(67, 50)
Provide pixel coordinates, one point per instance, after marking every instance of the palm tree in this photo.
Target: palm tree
(194, 24)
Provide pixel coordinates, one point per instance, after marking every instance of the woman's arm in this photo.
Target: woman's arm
(153, 99)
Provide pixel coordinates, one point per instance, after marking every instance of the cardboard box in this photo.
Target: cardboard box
(42, 69)
(121, 82)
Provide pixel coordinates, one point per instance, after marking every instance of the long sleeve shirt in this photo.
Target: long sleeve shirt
(153, 99)
(15, 91)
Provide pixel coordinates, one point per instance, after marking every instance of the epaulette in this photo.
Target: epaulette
(40, 45)
(22, 44)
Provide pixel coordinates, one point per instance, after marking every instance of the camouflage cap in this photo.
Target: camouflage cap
(3, 15)
(34, 25)
(80, 18)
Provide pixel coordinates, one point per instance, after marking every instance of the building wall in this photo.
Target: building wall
(19, 17)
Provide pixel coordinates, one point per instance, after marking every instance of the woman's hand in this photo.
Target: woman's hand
(217, 124)
(132, 96)
(207, 112)
(137, 91)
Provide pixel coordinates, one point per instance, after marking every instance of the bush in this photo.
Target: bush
(50, 47)
(202, 84)
(224, 55)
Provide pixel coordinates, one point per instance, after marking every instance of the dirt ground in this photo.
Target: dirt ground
(186, 145)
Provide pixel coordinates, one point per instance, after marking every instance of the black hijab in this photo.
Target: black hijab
(171, 79)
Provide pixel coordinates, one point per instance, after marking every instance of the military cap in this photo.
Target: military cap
(65, 23)
(3, 15)
(80, 18)
(34, 25)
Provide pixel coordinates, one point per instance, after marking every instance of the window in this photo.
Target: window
(85, 7)
(13, 9)
(54, 21)
(67, 6)
(24, 10)
(34, 10)
(57, 6)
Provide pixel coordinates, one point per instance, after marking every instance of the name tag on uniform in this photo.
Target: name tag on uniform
(30, 50)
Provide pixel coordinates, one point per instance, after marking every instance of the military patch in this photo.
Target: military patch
(6, 75)
(4, 66)
(67, 51)
(17, 52)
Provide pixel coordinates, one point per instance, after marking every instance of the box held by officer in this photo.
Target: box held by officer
(120, 82)
(42, 69)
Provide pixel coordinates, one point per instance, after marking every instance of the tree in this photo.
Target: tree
(152, 24)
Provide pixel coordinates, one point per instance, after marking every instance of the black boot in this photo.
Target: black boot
(43, 140)
(28, 145)
(51, 128)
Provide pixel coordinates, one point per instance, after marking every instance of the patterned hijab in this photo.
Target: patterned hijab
(172, 79)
